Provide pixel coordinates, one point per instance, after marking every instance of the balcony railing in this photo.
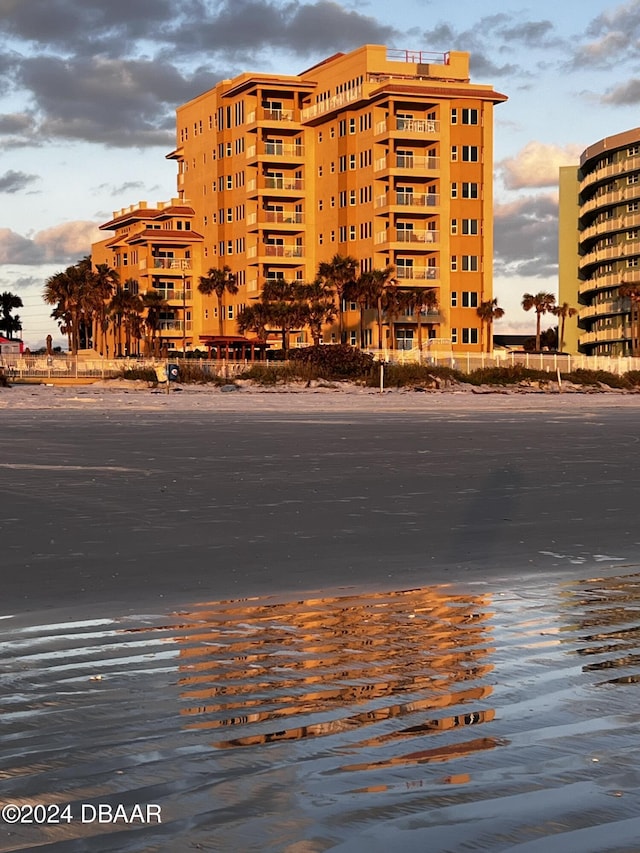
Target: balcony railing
(283, 251)
(271, 182)
(418, 273)
(615, 333)
(174, 295)
(333, 103)
(417, 199)
(421, 126)
(275, 115)
(171, 263)
(174, 325)
(408, 161)
(423, 235)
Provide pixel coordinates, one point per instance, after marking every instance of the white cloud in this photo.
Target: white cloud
(537, 164)
(62, 244)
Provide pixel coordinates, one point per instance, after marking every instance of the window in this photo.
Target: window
(469, 336)
(633, 262)
(634, 234)
(454, 153)
(454, 226)
(469, 299)
(454, 298)
(342, 163)
(352, 232)
(454, 116)
(454, 263)
(633, 179)
(633, 205)
(454, 336)
(469, 226)
(229, 182)
(353, 340)
(470, 153)
(352, 198)
(342, 234)
(469, 190)
(469, 116)
(632, 150)
(470, 263)
(342, 127)
(352, 161)
(352, 125)
(319, 171)
(320, 204)
(342, 198)
(229, 214)
(454, 190)
(230, 312)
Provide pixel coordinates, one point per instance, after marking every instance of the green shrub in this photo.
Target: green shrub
(595, 377)
(271, 374)
(147, 374)
(506, 375)
(332, 361)
(417, 375)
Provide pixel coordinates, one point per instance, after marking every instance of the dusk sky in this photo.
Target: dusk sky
(88, 91)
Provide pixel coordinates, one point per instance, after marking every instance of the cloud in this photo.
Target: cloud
(60, 244)
(537, 164)
(615, 34)
(624, 94)
(12, 182)
(526, 237)
(122, 189)
(494, 36)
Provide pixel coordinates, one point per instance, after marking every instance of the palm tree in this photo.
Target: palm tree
(338, 274)
(154, 303)
(106, 281)
(218, 281)
(9, 323)
(126, 309)
(632, 292)
(318, 307)
(373, 285)
(254, 318)
(543, 303)
(563, 311)
(488, 311)
(418, 300)
(71, 294)
(283, 307)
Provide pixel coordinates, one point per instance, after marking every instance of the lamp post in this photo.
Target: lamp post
(184, 315)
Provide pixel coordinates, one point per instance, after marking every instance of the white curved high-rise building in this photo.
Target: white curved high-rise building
(602, 200)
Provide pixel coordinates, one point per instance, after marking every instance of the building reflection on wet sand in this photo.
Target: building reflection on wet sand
(380, 670)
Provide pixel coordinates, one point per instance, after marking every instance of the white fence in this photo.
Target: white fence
(60, 367)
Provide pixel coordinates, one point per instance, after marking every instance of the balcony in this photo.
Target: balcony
(275, 185)
(174, 295)
(616, 333)
(408, 200)
(415, 273)
(281, 151)
(602, 200)
(407, 127)
(172, 264)
(333, 103)
(604, 309)
(406, 162)
(269, 116)
(174, 326)
(263, 218)
(287, 251)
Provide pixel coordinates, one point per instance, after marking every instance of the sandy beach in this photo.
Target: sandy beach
(319, 619)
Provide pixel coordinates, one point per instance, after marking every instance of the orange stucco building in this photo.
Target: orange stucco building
(383, 155)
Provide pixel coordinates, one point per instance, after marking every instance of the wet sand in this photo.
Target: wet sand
(321, 621)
